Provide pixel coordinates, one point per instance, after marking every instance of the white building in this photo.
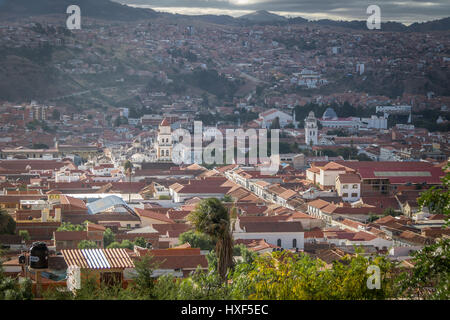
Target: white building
(266, 118)
(287, 235)
(374, 122)
(311, 129)
(348, 186)
(164, 142)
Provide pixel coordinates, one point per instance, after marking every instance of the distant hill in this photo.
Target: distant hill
(361, 25)
(100, 9)
(113, 10)
(221, 19)
(263, 16)
(436, 25)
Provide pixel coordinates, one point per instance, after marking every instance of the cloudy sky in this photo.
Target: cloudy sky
(406, 11)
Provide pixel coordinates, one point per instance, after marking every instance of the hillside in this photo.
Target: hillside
(263, 16)
(100, 9)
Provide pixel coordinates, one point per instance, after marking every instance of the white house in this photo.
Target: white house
(266, 118)
(348, 186)
(287, 235)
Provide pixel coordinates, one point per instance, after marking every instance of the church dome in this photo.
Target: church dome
(165, 123)
(329, 114)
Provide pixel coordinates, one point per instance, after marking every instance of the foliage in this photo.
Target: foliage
(67, 226)
(14, 289)
(25, 235)
(197, 240)
(372, 218)
(227, 198)
(430, 277)
(211, 218)
(140, 242)
(338, 132)
(438, 200)
(128, 166)
(7, 223)
(87, 244)
(212, 82)
(166, 287)
(275, 124)
(247, 255)
(391, 212)
(144, 282)
(56, 115)
(120, 121)
(285, 276)
(125, 244)
(108, 237)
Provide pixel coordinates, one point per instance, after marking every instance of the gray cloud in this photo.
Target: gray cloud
(394, 10)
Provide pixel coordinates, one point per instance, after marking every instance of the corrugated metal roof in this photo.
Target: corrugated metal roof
(98, 258)
(105, 204)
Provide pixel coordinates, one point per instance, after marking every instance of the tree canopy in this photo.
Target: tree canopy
(7, 223)
(211, 218)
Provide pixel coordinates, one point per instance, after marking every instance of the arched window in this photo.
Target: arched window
(294, 243)
(279, 242)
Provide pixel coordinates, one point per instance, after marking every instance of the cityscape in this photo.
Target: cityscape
(151, 153)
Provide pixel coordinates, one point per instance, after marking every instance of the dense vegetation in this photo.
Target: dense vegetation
(276, 275)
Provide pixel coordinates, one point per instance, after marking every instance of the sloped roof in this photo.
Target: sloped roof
(105, 204)
(154, 215)
(98, 258)
(272, 227)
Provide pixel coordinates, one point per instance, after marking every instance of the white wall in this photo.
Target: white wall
(272, 237)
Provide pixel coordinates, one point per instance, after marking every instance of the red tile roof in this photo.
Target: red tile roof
(153, 215)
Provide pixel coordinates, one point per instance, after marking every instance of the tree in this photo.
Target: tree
(275, 124)
(287, 276)
(227, 198)
(391, 212)
(87, 244)
(128, 166)
(7, 223)
(438, 200)
(127, 244)
(67, 226)
(430, 277)
(124, 244)
(24, 234)
(211, 218)
(108, 237)
(140, 242)
(144, 281)
(56, 115)
(197, 240)
(14, 289)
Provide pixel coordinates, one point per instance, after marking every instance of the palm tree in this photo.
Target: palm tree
(211, 218)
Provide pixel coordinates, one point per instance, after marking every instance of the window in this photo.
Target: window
(279, 242)
(354, 195)
(294, 243)
(345, 186)
(355, 186)
(345, 195)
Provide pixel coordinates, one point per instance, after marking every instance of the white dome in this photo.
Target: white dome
(329, 114)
